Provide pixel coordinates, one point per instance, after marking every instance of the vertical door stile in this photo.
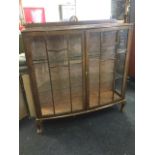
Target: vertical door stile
(45, 40)
(83, 71)
(86, 40)
(115, 63)
(68, 58)
(99, 96)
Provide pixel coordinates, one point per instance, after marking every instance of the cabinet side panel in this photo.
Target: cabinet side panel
(129, 42)
(122, 61)
(27, 40)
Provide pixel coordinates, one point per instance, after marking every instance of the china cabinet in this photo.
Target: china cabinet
(76, 68)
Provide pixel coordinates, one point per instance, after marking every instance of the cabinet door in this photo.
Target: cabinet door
(41, 79)
(106, 59)
(65, 54)
(58, 67)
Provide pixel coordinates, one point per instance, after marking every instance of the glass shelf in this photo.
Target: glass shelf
(120, 51)
(118, 76)
(65, 63)
(57, 50)
(40, 61)
(78, 59)
(62, 88)
(102, 60)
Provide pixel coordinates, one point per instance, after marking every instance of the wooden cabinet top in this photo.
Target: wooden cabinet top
(62, 26)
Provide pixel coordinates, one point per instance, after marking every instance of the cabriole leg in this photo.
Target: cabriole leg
(39, 126)
(122, 106)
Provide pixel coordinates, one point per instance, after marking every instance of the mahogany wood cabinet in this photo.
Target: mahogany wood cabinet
(76, 68)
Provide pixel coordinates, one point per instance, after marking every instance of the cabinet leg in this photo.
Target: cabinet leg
(39, 126)
(122, 106)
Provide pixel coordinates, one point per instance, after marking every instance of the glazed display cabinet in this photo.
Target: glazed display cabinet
(76, 68)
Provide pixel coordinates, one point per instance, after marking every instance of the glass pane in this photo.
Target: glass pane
(56, 42)
(108, 53)
(106, 81)
(46, 103)
(119, 71)
(93, 58)
(44, 89)
(58, 58)
(108, 38)
(118, 84)
(38, 49)
(75, 58)
(75, 45)
(61, 92)
(123, 38)
(93, 82)
(57, 50)
(94, 44)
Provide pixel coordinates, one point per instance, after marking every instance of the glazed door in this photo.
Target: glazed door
(58, 66)
(106, 60)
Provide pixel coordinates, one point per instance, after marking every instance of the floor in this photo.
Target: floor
(106, 132)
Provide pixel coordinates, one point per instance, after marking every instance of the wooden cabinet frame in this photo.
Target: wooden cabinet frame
(83, 32)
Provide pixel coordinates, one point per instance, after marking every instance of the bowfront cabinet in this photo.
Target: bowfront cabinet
(76, 68)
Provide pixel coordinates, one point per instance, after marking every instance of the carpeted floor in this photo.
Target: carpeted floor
(106, 132)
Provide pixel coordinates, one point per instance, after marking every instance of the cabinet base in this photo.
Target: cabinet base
(39, 120)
